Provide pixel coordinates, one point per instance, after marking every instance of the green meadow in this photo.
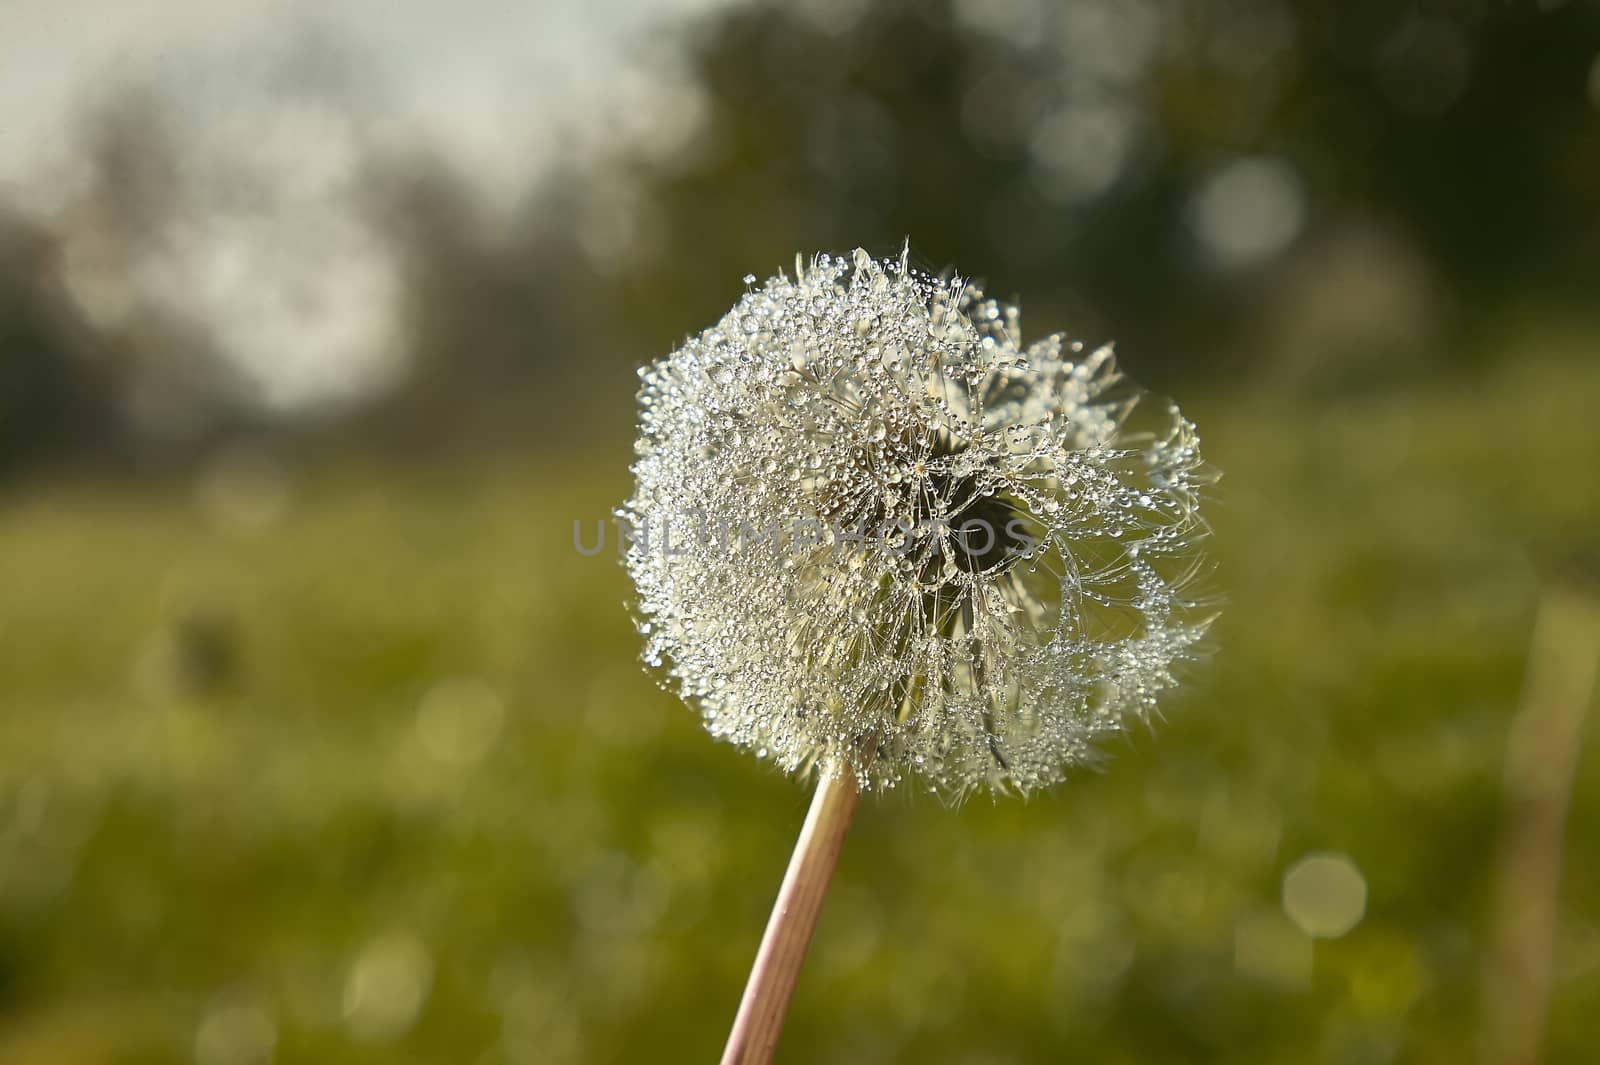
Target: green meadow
(340, 760)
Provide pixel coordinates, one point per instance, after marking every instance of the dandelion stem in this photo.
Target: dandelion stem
(794, 917)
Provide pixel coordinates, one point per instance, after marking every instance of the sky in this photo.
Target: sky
(463, 73)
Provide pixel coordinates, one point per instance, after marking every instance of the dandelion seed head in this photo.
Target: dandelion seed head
(873, 529)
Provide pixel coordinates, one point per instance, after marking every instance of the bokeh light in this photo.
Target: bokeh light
(1325, 895)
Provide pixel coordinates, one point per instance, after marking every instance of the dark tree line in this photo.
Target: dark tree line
(1449, 156)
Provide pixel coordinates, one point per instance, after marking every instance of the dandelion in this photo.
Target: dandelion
(876, 536)
(880, 534)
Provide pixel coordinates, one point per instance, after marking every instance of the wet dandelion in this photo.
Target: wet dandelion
(875, 535)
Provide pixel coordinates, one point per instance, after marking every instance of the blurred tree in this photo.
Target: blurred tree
(1084, 154)
(1319, 193)
(54, 396)
(1324, 194)
(505, 328)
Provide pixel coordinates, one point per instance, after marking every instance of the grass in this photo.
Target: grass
(222, 830)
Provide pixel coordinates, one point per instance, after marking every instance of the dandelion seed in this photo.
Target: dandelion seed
(1029, 532)
(987, 564)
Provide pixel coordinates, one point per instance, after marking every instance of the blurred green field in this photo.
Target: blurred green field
(378, 778)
